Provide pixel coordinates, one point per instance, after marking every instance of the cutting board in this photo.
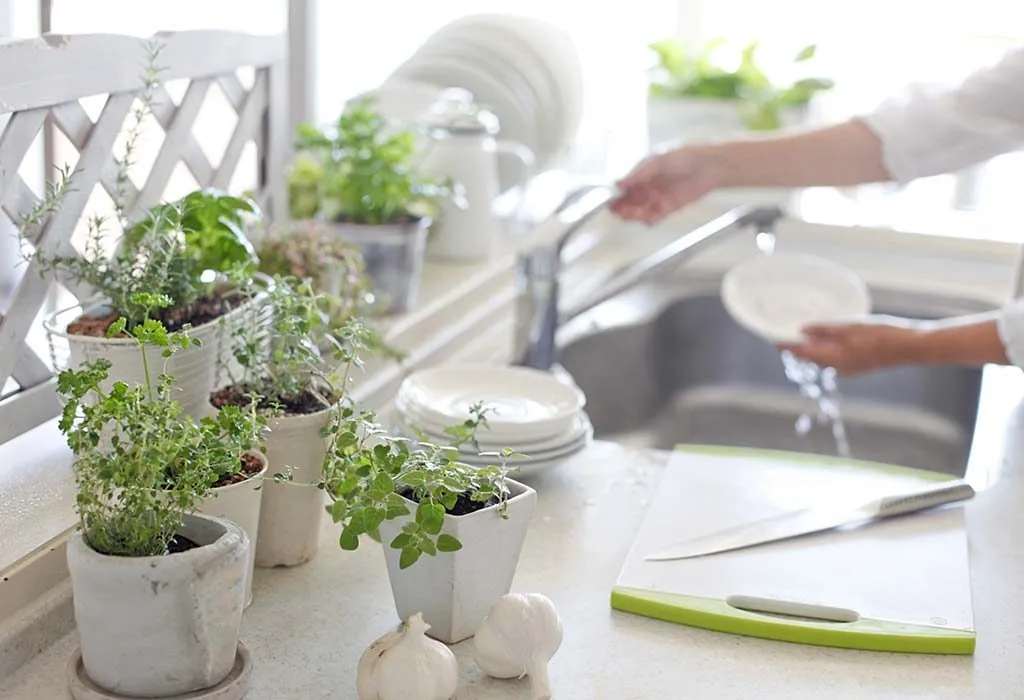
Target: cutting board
(900, 585)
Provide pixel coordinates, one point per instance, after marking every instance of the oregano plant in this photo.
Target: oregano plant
(371, 476)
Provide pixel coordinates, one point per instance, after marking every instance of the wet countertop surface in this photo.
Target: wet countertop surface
(308, 626)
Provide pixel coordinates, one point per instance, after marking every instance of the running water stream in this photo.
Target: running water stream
(819, 385)
(815, 383)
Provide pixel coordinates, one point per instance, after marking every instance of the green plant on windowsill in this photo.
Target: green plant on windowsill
(361, 171)
(158, 463)
(684, 74)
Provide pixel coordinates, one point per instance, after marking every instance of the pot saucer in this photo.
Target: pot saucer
(234, 687)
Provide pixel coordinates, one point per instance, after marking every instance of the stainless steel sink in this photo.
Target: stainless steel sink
(665, 364)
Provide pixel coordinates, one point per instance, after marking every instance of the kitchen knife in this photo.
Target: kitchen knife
(810, 520)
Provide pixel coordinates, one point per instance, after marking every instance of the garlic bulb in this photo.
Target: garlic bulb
(407, 665)
(518, 638)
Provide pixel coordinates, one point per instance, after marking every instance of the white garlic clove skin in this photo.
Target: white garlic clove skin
(407, 665)
(519, 636)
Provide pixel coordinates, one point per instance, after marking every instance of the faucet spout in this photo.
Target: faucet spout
(538, 313)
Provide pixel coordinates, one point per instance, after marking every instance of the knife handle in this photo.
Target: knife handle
(940, 494)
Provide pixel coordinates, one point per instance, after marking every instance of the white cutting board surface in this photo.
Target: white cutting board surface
(909, 571)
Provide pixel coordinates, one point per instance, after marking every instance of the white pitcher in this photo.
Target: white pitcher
(466, 149)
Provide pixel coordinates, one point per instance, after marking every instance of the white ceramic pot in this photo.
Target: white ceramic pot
(194, 370)
(292, 513)
(455, 590)
(240, 503)
(680, 120)
(161, 626)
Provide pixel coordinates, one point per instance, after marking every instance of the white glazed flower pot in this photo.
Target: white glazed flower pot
(161, 626)
(292, 513)
(240, 503)
(455, 590)
(677, 121)
(195, 370)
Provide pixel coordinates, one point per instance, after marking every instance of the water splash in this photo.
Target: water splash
(819, 385)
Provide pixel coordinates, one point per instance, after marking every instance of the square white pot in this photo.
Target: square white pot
(455, 590)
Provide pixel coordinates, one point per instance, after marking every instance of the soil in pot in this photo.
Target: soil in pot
(179, 544)
(251, 466)
(464, 505)
(202, 310)
(301, 405)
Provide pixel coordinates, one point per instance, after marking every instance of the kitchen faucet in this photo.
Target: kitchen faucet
(538, 315)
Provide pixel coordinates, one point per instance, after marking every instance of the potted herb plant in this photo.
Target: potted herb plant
(696, 96)
(308, 250)
(193, 252)
(158, 588)
(286, 372)
(359, 176)
(470, 522)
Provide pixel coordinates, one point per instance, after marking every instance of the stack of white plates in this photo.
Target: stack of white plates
(530, 412)
(525, 70)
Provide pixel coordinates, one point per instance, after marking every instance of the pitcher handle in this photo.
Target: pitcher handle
(516, 150)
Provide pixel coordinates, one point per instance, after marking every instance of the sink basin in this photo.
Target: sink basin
(664, 365)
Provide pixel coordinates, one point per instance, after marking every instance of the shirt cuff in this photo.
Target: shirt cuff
(1010, 326)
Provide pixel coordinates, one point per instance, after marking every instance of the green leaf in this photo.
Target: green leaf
(396, 507)
(806, 53)
(374, 518)
(409, 556)
(349, 540)
(430, 517)
(383, 485)
(401, 541)
(447, 543)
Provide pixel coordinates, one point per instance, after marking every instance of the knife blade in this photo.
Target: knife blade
(817, 519)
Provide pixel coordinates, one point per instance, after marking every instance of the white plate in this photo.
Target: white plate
(525, 403)
(775, 296)
(581, 430)
(526, 469)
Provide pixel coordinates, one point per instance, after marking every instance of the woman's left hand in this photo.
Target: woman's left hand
(858, 347)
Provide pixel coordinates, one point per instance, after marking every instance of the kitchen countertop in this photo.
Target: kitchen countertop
(308, 626)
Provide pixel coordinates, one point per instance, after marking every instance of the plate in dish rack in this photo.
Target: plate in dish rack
(775, 296)
(524, 402)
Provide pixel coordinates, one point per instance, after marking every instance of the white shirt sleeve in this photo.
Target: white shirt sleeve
(1010, 325)
(929, 131)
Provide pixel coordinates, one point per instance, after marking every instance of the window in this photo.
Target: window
(610, 37)
(872, 49)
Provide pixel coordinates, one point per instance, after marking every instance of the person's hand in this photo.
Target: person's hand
(857, 348)
(665, 182)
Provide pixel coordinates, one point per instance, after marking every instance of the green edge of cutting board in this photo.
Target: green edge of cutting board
(717, 615)
(866, 634)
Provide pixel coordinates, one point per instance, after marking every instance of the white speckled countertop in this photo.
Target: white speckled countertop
(308, 626)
